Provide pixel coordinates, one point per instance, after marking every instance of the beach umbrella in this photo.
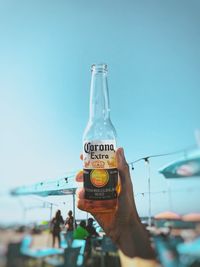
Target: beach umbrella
(64, 186)
(191, 217)
(167, 215)
(188, 166)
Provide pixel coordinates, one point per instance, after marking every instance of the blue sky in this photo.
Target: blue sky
(152, 49)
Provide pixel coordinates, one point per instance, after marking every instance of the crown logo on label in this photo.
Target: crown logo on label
(98, 164)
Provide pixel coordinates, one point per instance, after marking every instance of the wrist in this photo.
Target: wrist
(136, 261)
(134, 241)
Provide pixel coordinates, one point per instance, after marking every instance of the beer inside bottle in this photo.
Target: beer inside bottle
(99, 144)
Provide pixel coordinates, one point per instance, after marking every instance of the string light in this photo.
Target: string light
(62, 181)
(189, 189)
(146, 159)
(132, 167)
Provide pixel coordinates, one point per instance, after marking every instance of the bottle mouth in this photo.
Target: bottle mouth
(102, 67)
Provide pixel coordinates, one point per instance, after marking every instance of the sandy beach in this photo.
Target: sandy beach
(42, 240)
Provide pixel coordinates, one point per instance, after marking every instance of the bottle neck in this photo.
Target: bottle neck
(99, 98)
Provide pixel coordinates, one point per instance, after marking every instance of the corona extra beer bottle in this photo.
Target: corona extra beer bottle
(99, 144)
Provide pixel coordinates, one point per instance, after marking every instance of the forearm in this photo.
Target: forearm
(135, 248)
(134, 241)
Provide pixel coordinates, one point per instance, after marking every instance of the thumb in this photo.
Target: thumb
(123, 169)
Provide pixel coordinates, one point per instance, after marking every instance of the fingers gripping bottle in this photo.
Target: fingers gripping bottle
(99, 144)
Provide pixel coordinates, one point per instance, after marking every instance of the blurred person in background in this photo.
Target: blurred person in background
(91, 229)
(56, 223)
(69, 225)
(80, 232)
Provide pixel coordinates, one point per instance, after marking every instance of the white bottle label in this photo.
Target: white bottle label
(100, 172)
(99, 154)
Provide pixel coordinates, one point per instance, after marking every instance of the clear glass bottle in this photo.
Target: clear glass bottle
(99, 145)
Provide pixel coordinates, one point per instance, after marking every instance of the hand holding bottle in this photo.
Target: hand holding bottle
(107, 193)
(122, 224)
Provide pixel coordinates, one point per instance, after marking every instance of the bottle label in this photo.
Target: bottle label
(100, 172)
(99, 154)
